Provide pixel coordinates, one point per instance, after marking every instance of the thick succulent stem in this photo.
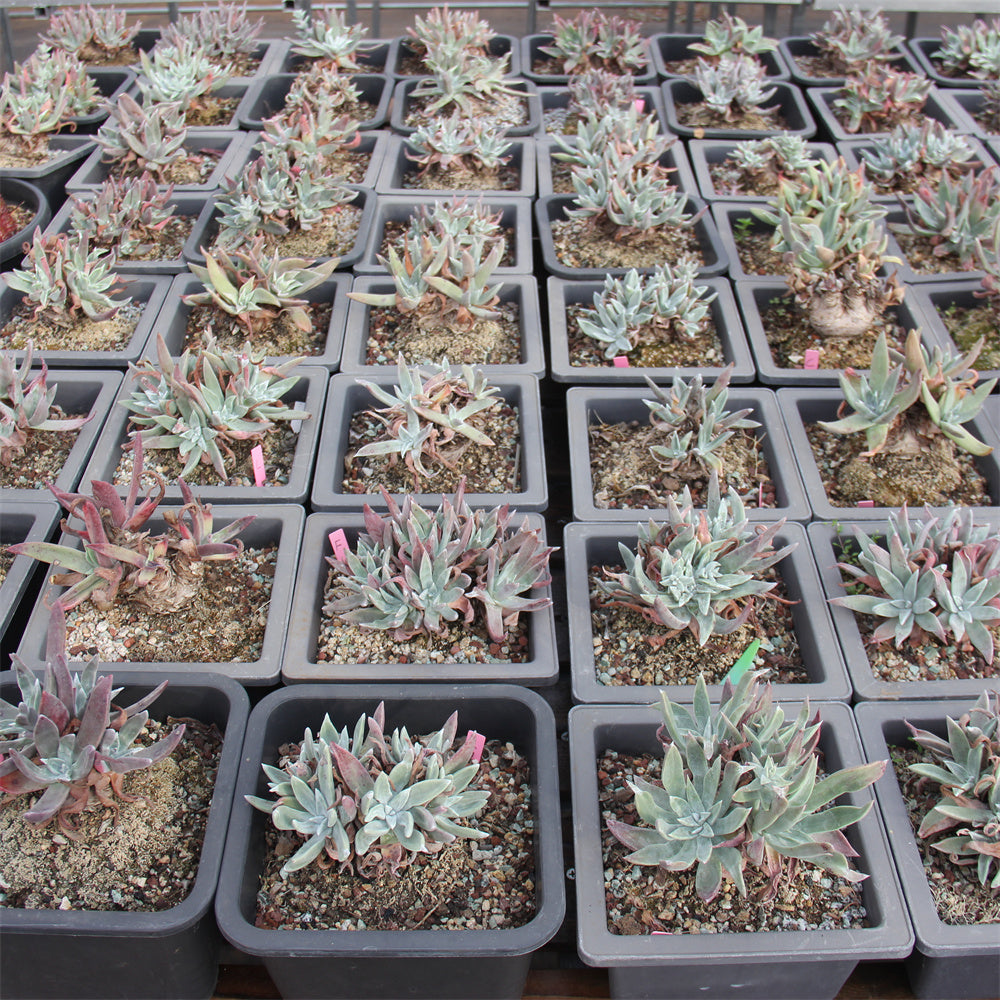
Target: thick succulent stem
(837, 315)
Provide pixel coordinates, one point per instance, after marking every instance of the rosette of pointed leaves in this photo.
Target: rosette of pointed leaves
(141, 138)
(881, 99)
(918, 150)
(326, 35)
(92, 34)
(853, 38)
(458, 144)
(972, 50)
(764, 161)
(731, 35)
(593, 40)
(28, 114)
(61, 76)
(465, 85)
(223, 32)
(181, 73)
(322, 87)
(449, 32)
(733, 86)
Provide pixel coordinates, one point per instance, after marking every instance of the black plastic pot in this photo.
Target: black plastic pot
(674, 159)
(206, 229)
(706, 153)
(269, 52)
(949, 960)
(405, 87)
(77, 392)
(368, 964)
(397, 165)
(788, 99)
(18, 192)
(776, 965)
(371, 57)
(265, 98)
(94, 171)
(515, 216)
(963, 106)
(111, 83)
(910, 274)
(558, 99)
(530, 44)
(186, 205)
(754, 296)
(345, 398)
(540, 667)
(924, 51)
(826, 540)
(671, 48)
(519, 288)
(276, 524)
(728, 328)
(552, 208)
(802, 45)
(309, 391)
(590, 404)
(50, 176)
(586, 545)
(807, 406)
(173, 952)
(498, 46)
(821, 104)
(147, 291)
(727, 215)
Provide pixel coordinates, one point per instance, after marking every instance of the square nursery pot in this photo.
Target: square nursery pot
(206, 229)
(540, 668)
(371, 57)
(675, 159)
(26, 195)
(911, 275)
(557, 99)
(587, 545)
(728, 328)
(277, 524)
(949, 960)
(497, 47)
(531, 44)
(807, 406)
(50, 176)
(792, 49)
(173, 320)
(777, 965)
(587, 405)
(21, 521)
(148, 292)
(670, 48)
(787, 98)
(519, 288)
(553, 207)
(309, 392)
(77, 392)
(830, 128)
(963, 106)
(265, 98)
(373, 964)
(827, 540)
(727, 216)
(707, 153)
(755, 296)
(184, 205)
(401, 100)
(111, 83)
(515, 218)
(925, 51)
(172, 952)
(94, 171)
(397, 167)
(345, 398)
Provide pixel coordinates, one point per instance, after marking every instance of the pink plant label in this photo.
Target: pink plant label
(760, 495)
(866, 503)
(338, 540)
(812, 360)
(259, 472)
(480, 746)
(639, 104)
(661, 933)
(621, 361)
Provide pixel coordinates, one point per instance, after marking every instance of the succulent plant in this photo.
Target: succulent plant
(730, 35)
(971, 50)
(327, 36)
(881, 99)
(373, 803)
(430, 416)
(307, 135)
(597, 93)
(829, 231)
(414, 570)
(124, 215)
(257, 288)
(121, 560)
(66, 739)
(65, 278)
(956, 215)
(694, 421)
(763, 164)
(60, 75)
(28, 114)
(141, 139)
(733, 87)
(601, 136)
(182, 73)
(206, 401)
(739, 785)
(445, 33)
(699, 570)
(988, 259)
(468, 85)
(223, 33)
(458, 144)
(966, 769)
(26, 405)
(944, 384)
(918, 151)
(92, 34)
(852, 39)
(935, 576)
(593, 40)
(322, 87)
